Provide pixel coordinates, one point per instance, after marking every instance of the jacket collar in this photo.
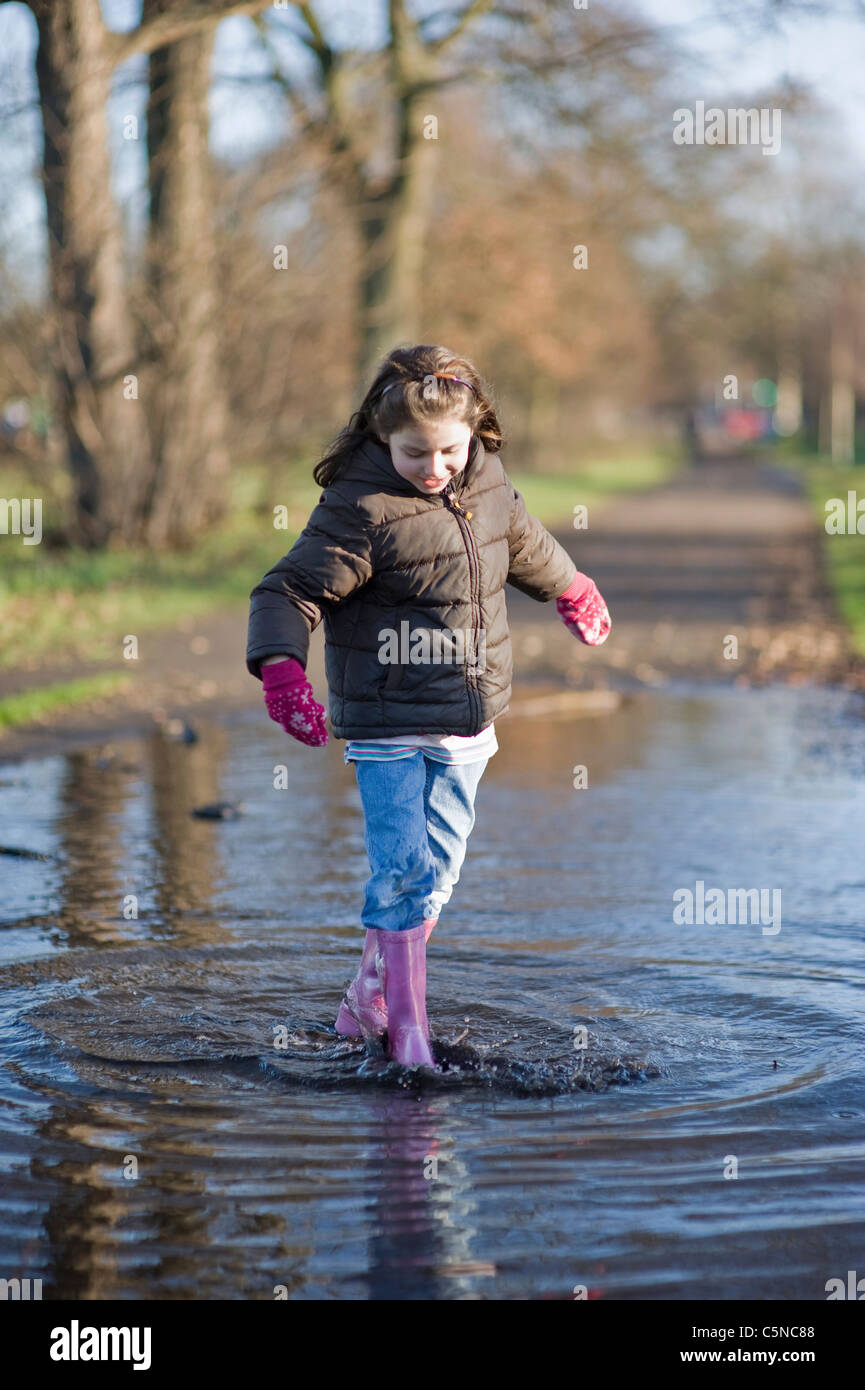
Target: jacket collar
(373, 463)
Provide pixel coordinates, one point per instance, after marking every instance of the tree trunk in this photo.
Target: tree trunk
(187, 413)
(788, 411)
(392, 230)
(843, 407)
(93, 341)
(393, 222)
(842, 397)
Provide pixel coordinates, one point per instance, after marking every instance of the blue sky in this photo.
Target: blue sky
(827, 53)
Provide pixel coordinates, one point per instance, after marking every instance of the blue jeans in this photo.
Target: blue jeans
(419, 814)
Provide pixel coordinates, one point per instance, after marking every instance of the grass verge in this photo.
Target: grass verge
(843, 553)
(62, 605)
(29, 705)
(79, 605)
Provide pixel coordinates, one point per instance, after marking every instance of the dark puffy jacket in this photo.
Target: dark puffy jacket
(376, 554)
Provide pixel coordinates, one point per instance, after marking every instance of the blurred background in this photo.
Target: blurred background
(217, 217)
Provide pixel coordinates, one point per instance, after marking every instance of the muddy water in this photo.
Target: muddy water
(178, 1120)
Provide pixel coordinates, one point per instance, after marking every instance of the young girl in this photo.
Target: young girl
(406, 557)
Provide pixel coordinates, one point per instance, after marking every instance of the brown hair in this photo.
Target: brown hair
(383, 412)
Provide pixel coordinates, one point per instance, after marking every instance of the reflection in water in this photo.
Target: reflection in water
(408, 1244)
(183, 848)
(527, 1167)
(88, 824)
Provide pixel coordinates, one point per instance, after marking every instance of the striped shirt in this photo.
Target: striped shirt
(442, 748)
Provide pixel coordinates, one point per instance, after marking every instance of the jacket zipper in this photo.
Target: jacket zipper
(462, 519)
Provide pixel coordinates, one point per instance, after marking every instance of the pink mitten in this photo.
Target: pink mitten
(291, 703)
(583, 611)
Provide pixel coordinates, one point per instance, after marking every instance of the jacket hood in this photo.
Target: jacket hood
(372, 463)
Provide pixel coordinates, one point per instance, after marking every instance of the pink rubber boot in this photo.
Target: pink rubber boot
(363, 1010)
(401, 961)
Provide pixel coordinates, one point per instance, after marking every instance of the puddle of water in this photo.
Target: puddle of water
(178, 1119)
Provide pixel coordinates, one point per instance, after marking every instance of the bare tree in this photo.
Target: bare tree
(376, 114)
(101, 421)
(186, 409)
(94, 344)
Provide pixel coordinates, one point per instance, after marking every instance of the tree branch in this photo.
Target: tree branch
(189, 17)
(309, 121)
(316, 40)
(334, 125)
(471, 12)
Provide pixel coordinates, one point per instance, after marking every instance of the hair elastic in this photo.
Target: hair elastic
(445, 376)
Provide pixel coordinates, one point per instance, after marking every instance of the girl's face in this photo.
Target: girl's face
(429, 452)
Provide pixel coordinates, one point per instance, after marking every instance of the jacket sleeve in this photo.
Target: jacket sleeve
(331, 558)
(539, 565)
